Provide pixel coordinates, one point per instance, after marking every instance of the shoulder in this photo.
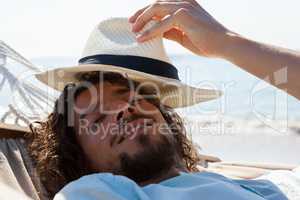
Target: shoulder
(104, 185)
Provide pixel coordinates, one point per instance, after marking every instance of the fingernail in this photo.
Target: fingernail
(133, 29)
(139, 35)
(130, 19)
(140, 38)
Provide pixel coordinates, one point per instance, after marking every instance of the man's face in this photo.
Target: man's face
(119, 131)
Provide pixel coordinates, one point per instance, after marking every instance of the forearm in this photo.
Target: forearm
(264, 61)
(194, 28)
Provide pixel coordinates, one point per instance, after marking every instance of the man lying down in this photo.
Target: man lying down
(114, 134)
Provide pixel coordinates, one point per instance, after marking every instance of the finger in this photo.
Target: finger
(133, 18)
(174, 34)
(179, 36)
(193, 2)
(160, 10)
(158, 29)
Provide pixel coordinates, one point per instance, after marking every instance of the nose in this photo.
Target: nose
(130, 109)
(127, 112)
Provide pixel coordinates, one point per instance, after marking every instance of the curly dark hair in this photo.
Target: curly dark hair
(58, 157)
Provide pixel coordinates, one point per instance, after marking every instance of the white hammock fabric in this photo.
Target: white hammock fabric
(22, 102)
(28, 102)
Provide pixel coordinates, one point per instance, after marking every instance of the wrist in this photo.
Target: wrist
(231, 42)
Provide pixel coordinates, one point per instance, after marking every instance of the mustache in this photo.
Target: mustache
(134, 117)
(122, 123)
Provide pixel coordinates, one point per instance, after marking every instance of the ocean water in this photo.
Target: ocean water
(245, 96)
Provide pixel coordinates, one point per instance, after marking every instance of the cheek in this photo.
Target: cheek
(92, 145)
(98, 151)
(147, 107)
(130, 147)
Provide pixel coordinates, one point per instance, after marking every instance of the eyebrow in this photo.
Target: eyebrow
(121, 90)
(83, 115)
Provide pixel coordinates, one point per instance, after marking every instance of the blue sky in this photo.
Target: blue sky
(61, 27)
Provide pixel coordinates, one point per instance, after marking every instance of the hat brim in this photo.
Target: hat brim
(172, 92)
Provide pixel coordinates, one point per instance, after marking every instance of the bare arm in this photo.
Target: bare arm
(187, 23)
(282, 66)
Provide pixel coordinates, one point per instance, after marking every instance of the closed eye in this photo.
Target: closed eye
(100, 118)
(153, 99)
(122, 91)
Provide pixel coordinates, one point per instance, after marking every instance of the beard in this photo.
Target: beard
(153, 161)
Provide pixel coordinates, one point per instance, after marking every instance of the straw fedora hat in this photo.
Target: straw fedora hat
(112, 47)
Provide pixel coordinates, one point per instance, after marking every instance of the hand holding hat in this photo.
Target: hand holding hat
(185, 22)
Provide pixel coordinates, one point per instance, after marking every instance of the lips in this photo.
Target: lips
(132, 129)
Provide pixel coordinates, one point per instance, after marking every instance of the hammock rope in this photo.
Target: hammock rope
(29, 96)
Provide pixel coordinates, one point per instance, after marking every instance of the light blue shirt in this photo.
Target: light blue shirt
(186, 186)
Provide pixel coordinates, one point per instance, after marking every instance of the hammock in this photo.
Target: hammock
(22, 101)
(28, 102)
